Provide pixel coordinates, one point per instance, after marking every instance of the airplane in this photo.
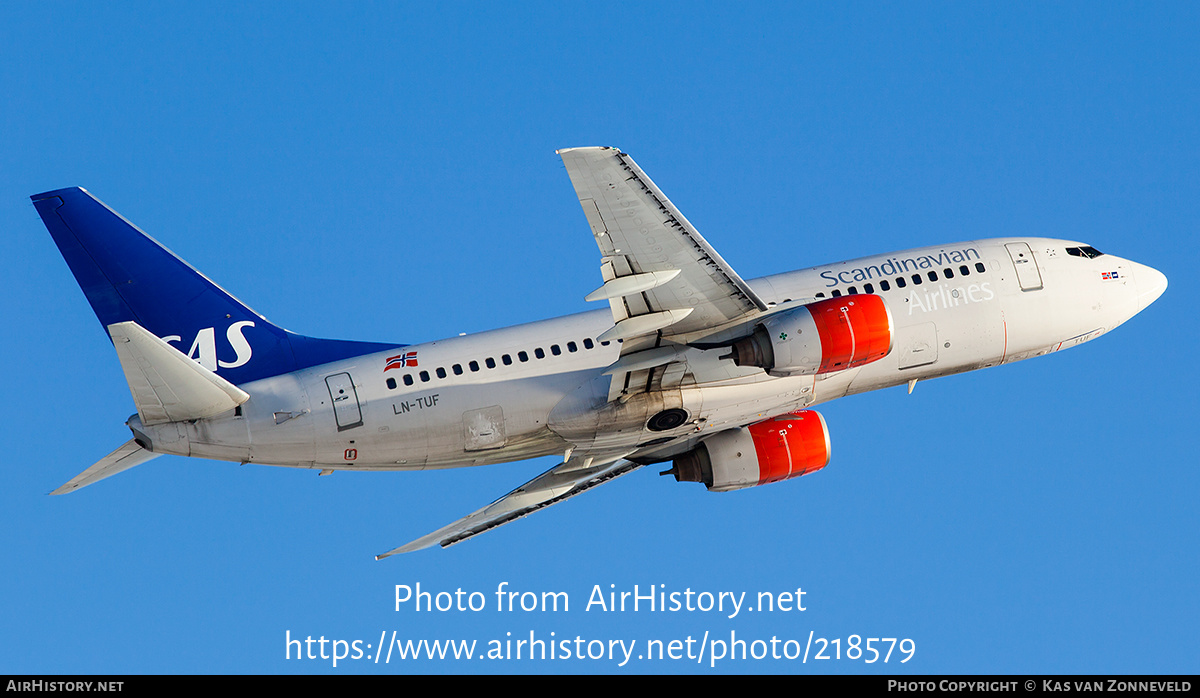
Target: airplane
(689, 364)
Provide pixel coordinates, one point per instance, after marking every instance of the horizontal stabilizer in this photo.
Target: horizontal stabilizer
(123, 458)
(166, 385)
(561, 482)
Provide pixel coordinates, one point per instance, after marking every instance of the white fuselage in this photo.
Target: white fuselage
(539, 389)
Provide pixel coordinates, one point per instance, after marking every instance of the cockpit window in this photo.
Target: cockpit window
(1088, 252)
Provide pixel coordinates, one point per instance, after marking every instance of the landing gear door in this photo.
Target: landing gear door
(1027, 271)
(346, 409)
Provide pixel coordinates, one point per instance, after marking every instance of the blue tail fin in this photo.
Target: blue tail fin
(128, 276)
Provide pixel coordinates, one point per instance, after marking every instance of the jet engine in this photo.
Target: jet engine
(777, 449)
(830, 335)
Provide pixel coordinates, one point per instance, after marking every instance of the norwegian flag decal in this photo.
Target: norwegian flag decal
(405, 360)
(1108, 275)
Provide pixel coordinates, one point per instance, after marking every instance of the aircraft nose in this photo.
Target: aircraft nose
(1150, 284)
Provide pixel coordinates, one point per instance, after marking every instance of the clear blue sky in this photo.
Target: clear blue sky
(387, 172)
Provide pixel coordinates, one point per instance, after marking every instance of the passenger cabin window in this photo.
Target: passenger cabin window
(948, 272)
(979, 267)
(933, 276)
(506, 359)
(884, 285)
(900, 282)
(836, 293)
(555, 350)
(539, 353)
(441, 372)
(868, 288)
(474, 366)
(408, 379)
(964, 270)
(391, 383)
(916, 279)
(489, 362)
(571, 347)
(458, 369)
(424, 376)
(523, 356)
(587, 344)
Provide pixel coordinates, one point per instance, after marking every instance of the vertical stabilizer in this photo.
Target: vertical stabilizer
(127, 276)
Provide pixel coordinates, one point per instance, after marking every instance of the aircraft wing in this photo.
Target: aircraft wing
(659, 272)
(559, 483)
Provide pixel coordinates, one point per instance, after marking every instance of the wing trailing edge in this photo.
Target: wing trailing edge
(573, 477)
(656, 266)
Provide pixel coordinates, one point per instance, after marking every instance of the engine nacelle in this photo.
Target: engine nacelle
(780, 448)
(830, 335)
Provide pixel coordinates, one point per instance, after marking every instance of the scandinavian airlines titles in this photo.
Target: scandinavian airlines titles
(204, 347)
(896, 266)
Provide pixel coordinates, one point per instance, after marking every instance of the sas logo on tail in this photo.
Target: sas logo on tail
(204, 347)
(406, 360)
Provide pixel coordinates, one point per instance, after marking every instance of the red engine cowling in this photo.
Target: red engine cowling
(780, 448)
(830, 335)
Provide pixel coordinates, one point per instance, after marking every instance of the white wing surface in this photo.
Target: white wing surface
(660, 275)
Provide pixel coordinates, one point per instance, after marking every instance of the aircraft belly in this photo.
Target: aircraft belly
(618, 425)
(734, 405)
(587, 419)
